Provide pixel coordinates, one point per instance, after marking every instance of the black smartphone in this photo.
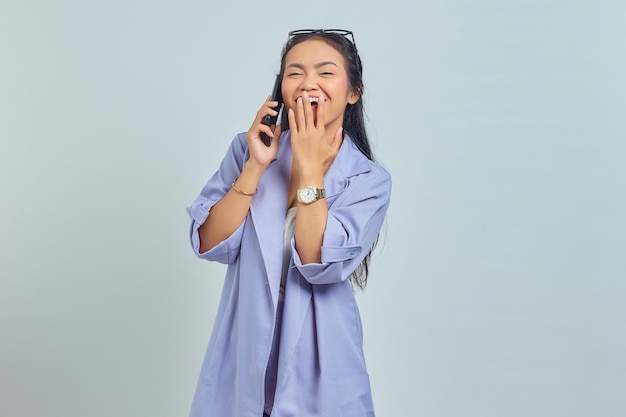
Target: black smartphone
(271, 120)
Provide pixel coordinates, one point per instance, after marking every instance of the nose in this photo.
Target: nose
(309, 83)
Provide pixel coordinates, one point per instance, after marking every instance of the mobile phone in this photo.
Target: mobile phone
(271, 120)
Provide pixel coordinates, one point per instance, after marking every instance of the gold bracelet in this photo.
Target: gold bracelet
(241, 191)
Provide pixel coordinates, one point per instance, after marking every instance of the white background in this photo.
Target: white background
(498, 288)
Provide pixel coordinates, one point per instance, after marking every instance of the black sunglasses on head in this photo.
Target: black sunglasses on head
(342, 32)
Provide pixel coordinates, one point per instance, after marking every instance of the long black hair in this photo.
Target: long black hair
(354, 115)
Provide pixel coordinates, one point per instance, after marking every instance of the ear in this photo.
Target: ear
(354, 96)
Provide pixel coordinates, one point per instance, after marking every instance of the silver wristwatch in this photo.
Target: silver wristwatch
(309, 194)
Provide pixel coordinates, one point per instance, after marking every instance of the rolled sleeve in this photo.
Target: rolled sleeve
(214, 190)
(225, 252)
(354, 221)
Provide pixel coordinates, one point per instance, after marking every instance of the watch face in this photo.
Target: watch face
(308, 195)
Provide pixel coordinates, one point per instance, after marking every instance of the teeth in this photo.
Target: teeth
(314, 99)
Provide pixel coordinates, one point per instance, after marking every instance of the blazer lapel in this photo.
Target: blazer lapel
(268, 210)
(348, 163)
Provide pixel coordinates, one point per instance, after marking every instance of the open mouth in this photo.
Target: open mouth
(314, 101)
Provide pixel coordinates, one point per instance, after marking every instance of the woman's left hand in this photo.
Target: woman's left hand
(313, 148)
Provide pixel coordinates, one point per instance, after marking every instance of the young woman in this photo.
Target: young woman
(295, 222)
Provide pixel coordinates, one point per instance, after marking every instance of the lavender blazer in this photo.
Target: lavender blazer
(321, 370)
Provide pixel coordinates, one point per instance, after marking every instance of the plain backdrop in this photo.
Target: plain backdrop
(498, 288)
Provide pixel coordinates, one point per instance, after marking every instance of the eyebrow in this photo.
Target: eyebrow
(316, 66)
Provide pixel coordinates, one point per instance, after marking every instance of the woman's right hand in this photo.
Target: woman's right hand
(259, 153)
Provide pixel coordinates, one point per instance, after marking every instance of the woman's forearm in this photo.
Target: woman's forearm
(227, 214)
(311, 223)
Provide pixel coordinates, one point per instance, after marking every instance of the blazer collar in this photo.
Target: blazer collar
(348, 163)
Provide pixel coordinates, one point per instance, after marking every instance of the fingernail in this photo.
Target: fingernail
(299, 100)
